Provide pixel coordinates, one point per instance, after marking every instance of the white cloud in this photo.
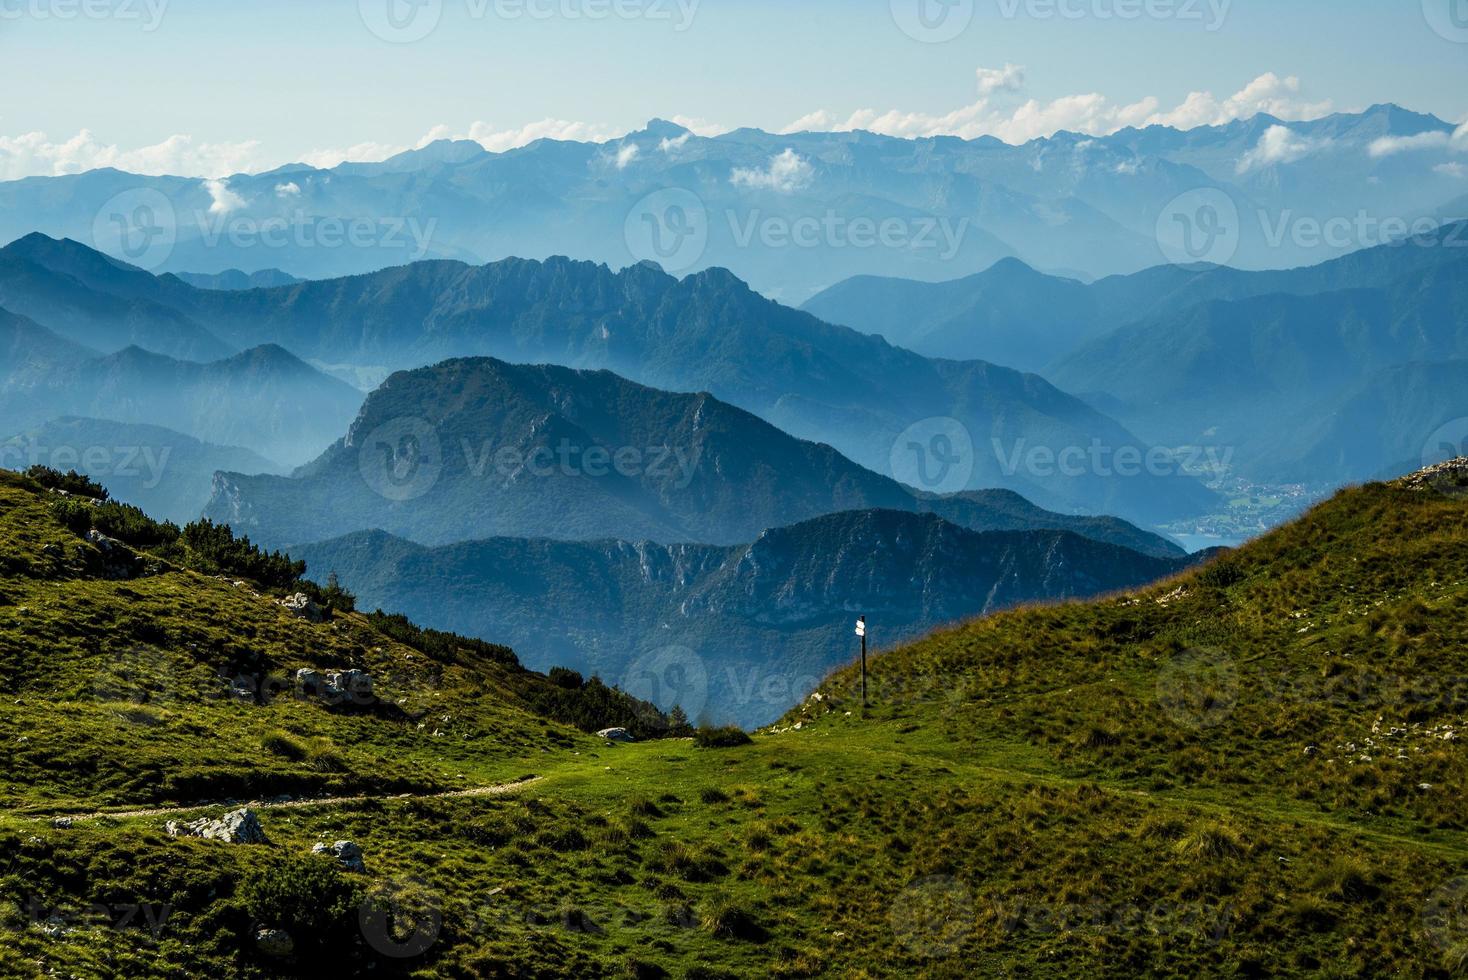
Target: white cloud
(672, 145)
(1090, 113)
(1010, 78)
(1269, 93)
(626, 154)
(499, 140)
(787, 173)
(1457, 170)
(224, 200)
(999, 111)
(361, 153)
(1390, 145)
(700, 127)
(1278, 145)
(492, 139)
(37, 155)
(819, 121)
(291, 189)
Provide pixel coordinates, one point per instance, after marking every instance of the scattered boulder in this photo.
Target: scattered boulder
(335, 686)
(275, 942)
(103, 542)
(616, 735)
(235, 827)
(302, 606)
(62, 823)
(355, 684)
(117, 560)
(311, 682)
(346, 853)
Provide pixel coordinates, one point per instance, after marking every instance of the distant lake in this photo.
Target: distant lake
(1193, 543)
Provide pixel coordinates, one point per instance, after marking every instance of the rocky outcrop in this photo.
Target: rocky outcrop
(1449, 477)
(337, 686)
(346, 854)
(304, 607)
(235, 827)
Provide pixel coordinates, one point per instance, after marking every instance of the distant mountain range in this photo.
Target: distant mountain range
(91, 299)
(166, 473)
(945, 425)
(264, 398)
(1229, 371)
(234, 279)
(1216, 356)
(477, 447)
(730, 633)
(1014, 315)
(792, 214)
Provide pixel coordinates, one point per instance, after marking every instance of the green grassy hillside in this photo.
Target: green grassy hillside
(1245, 771)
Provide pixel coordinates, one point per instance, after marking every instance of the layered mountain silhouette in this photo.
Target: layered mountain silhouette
(1400, 419)
(1218, 356)
(730, 633)
(1014, 315)
(264, 399)
(166, 473)
(848, 204)
(231, 279)
(1231, 370)
(96, 301)
(477, 447)
(706, 332)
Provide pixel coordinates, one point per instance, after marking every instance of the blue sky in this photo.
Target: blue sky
(209, 86)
